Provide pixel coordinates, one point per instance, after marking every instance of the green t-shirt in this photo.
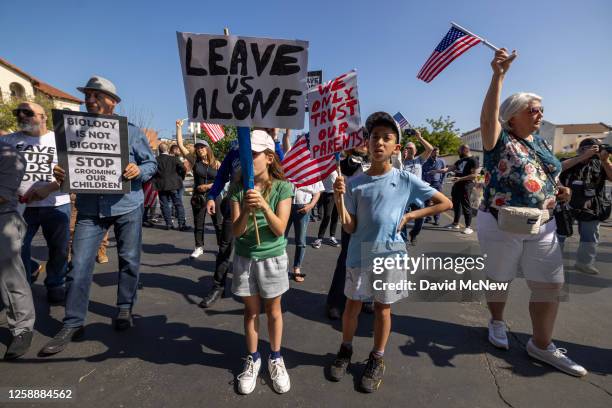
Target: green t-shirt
(271, 245)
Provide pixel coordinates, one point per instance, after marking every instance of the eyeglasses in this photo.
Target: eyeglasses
(536, 110)
(26, 112)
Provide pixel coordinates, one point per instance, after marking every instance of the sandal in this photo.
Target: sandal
(298, 277)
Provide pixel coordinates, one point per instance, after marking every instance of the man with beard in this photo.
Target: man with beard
(465, 174)
(46, 207)
(96, 214)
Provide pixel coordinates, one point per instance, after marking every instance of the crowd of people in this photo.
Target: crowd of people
(379, 189)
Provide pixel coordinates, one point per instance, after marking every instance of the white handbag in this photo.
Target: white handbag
(521, 220)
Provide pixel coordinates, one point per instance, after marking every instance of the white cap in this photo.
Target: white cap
(261, 140)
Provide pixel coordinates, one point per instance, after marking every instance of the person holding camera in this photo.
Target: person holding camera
(516, 230)
(586, 175)
(203, 177)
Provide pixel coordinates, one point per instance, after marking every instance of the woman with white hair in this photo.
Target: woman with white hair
(515, 227)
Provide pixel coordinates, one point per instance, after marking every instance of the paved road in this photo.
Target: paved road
(179, 355)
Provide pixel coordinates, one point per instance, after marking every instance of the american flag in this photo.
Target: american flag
(215, 132)
(454, 43)
(401, 120)
(301, 170)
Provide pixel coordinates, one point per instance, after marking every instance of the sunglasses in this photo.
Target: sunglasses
(25, 112)
(536, 110)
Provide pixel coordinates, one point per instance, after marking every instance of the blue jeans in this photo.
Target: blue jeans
(55, 223)
(589, 238)
(88, 234)
(300, 227)
(416, 229)
(169, 200)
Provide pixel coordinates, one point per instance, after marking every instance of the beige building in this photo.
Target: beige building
(563, 138)
(15, 83)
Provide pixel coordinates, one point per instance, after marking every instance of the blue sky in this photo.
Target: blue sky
(564, 47)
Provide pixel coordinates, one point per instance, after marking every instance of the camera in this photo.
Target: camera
(606, 147)
(410, 132)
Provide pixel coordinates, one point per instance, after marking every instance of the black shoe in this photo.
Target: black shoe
(413, 241)
(56, 295)
(215, 294)
(123, 321)
(148, 224)
(333, 313)
(340, 364)
(184, 228)
(19, 345)
(368, 308)
(436, 223)
(61, 339)
(373, 374)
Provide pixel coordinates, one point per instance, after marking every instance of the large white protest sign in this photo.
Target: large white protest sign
(93, 150)
(334, 116)
(244, 81)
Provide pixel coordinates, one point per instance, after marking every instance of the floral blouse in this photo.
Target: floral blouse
(514, 176)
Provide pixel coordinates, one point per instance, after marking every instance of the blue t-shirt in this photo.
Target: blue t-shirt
(415, 166)
(430, 165)
(378, 202)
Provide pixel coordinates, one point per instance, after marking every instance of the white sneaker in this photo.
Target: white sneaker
(278, 373)
(498, 334)
(556, 357)
(588, 269)
(317, 243)
(248, 378)
(333, 242)
(467, 231)
(197, 252)
(453, 226)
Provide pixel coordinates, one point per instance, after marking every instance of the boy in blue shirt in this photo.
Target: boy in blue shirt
(374, 215)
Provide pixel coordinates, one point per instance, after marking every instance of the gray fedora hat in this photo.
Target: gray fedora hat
(98, 83)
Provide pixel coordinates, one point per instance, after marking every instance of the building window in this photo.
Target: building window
(17, 90)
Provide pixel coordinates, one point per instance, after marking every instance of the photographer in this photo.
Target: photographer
(586, 175)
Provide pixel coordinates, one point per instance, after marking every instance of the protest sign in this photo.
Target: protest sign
(244, 81)
(313, 79)
(334, 116)
(93, 150)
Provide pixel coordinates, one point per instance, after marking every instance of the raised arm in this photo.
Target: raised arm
(179, 137)
(489, 117)
(286, 142)
(428, 147)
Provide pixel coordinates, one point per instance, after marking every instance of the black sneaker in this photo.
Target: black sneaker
(413, 241)
(341, 363)
(333, 313)
(61, 340)
(215, 294)
(123, 321)
(373, 374)
(19, 345)
(184, 228)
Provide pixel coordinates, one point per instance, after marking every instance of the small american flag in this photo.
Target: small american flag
(301, 170)
(401, 120)
(215, 132)
(454, 43)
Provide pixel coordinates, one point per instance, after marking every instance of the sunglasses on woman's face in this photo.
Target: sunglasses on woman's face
(535, 110)
(26, 112)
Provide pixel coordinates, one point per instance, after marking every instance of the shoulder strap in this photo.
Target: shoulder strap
(542, 165)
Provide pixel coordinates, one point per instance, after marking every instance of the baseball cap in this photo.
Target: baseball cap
(201, 143)
(382, 118)
(261, 140)
(588, 142)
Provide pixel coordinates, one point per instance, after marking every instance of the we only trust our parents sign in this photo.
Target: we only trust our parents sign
(244, 81)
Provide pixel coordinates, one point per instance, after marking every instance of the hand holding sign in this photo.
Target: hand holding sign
(131, 171)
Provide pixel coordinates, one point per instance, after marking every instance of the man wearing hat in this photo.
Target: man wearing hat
(96, 214)
(586, 175)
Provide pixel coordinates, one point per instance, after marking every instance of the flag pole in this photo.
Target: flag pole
(244, 138)
(341, 209)
(484, 41)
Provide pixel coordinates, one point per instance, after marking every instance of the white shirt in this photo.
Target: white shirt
(328, 183)
(40, 153)
(303, 195)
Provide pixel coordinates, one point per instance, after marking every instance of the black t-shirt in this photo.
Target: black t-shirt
(465, 167)
(203, 174)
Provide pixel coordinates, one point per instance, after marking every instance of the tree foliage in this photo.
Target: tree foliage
(441, 133)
